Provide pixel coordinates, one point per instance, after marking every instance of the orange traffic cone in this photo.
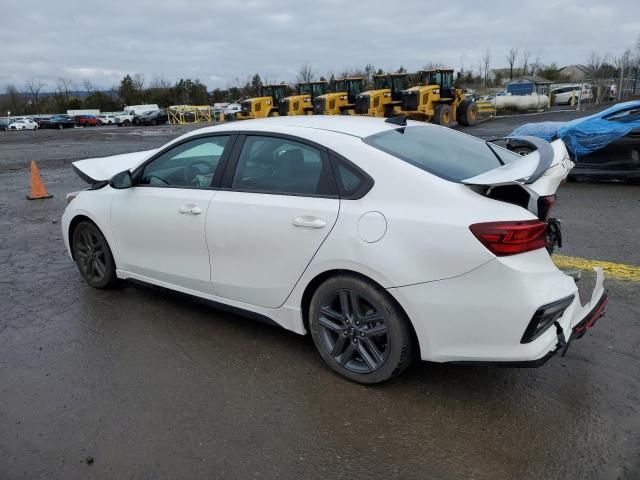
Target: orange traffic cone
(38, 190)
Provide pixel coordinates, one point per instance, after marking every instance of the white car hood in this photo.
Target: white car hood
(99, 169)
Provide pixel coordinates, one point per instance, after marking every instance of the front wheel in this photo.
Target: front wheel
(442, 115)
(93, 256)
(359, 331)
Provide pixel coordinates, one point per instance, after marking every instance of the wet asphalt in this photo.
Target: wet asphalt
(140, 383)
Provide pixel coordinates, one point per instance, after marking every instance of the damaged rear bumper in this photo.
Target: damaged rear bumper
(584, 317)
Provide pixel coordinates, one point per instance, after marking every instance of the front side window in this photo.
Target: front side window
(277, 165)
(191, 164)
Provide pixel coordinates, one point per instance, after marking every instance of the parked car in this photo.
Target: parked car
(159, 117)
(4, 123)
(604, 146)
(383, 239)
(231, 110)
(23, 124)
(568, 95)
(107, 119)
(86, 120)
(58, 121)
(127, 119)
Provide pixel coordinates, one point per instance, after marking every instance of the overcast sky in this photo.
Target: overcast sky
(218, 41)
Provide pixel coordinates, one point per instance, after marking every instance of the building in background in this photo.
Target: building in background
(529, 84)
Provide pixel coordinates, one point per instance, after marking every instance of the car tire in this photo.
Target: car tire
(127, 123)
(359, 331)
(60, 126)
(93, 256)
(442, 115)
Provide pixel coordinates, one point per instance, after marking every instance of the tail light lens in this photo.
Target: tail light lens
(544, 207)
(510, 238)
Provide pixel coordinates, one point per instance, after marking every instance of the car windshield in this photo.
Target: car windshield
(443, 152)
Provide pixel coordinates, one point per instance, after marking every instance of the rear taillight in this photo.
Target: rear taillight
(510, 238)
(544, 207)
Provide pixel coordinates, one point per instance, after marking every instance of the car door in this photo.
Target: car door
(159, 223)
(276, 206)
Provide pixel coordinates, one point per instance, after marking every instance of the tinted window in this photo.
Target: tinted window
(191, 164)
(275, 165)
(444, 152)
(349, 180)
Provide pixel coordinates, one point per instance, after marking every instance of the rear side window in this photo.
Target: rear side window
(279, 166)
(443, 152)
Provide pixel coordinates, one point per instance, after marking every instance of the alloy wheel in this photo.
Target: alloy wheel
(353, 331)
(90, 253)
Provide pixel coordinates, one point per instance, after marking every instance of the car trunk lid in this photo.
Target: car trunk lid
(541, 172)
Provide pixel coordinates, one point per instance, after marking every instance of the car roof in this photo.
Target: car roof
(354, 126)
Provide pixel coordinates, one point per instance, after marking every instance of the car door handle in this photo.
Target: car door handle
(309, 222)
(191, 209)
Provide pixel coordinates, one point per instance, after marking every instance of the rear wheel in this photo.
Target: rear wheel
(467, 113)
(442, 115)
(93, 256)
(359, 331)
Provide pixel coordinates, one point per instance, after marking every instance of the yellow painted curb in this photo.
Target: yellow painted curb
(611, 270)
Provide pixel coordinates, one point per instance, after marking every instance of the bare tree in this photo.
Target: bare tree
(88, 86)
(138, 84)
(34, 86)
(486, 63)
(160, 82)
(600, 73)
(594, 63)
(511, 59)
(536, 64)
(623, 66)
(524, 61)
(63, 91)
(305, 74)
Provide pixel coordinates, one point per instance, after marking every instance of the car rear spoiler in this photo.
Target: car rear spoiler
(544, 148)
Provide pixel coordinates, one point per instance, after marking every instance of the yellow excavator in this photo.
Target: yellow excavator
(386, 97)
(342, 100)
(265, 105)
(436, 100)
(302, 103)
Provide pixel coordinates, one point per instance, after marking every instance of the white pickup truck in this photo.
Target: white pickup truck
(132, 113)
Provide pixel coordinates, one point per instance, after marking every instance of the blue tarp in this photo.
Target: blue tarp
(587, 134)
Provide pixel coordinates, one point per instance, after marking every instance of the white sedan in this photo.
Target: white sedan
(23, 124)
(385, 240)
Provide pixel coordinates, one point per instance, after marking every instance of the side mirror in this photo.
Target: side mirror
(121, 180)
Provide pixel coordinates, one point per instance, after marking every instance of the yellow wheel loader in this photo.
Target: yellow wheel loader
(437, 100)
(266, 105)
(302, 103)
(342, 100)
(386, 97)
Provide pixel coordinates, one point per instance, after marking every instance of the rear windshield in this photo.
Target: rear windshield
(444, 152)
